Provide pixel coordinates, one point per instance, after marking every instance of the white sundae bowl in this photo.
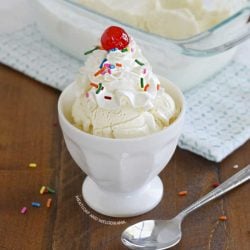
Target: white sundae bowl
(121, 174)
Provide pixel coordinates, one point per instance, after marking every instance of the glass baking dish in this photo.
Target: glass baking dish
(186, 62)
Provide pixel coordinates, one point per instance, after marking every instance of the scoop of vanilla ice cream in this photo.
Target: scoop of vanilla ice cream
(176, 19)
(123, 101)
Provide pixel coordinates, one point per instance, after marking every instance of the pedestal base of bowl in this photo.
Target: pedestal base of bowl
(117, 204)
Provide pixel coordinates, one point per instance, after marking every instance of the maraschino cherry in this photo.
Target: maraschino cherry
(114, 37)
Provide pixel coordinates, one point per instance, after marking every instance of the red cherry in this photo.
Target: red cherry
(114, 37)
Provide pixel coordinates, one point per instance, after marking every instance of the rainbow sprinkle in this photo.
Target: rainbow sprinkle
(111, 50)
(118, 64)
(142, 83)
(138, 62)
(93, 85)
(50, 190)
(125, 50)
(36, 204)
(107, 97)
(146, 87)
(48, 204)
(111, 66)
(100, 71)
(24, 210)
(32, 165)
(99, 88)
(158, 86)
(42, 190)
(107, 65)
(87, 94)
(144, 71)
(91, 51)
(103, 61)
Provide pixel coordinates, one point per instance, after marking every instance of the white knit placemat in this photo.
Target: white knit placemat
(218, 110)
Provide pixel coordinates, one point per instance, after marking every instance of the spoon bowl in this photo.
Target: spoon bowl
(153, 234)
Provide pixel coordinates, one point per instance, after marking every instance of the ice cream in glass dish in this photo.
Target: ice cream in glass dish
(121, 125)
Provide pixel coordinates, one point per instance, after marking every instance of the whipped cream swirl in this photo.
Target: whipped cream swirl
(119, 78)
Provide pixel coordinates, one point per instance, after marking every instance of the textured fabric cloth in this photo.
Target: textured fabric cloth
(218, 110)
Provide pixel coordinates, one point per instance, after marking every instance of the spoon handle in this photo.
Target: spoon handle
(231, 183)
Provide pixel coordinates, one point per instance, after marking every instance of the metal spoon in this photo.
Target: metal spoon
(163, 234)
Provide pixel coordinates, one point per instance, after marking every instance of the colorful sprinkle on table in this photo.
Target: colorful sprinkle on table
(91, 51)
(223, 218)
(125, 50)
(24, 210)
(42, 190)
(146, 87)
(138, 62)
(32, 165)
(158, 87)
(118, 64)
(182, 193)
(50, 190)
(48, 204)
(36, 204)
(144, 71)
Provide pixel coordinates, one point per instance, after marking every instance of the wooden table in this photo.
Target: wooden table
(30, 133)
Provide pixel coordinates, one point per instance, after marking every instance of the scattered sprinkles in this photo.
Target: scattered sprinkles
(42, 190)
(99, 88)
(103, 61)
(91, 51)
(48, 204)
(36, 204)
(107, 97)
(142, 83)
(223, 218)
(216, 184)
(111, 66)
(93, 85)
(158, 87)
(32, 165)
(146, 87)
(182, 193)
(124, 50)
(23, 210)
(144, 71)
(138, 62)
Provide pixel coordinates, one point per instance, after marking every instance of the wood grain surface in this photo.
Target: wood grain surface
(29, 132)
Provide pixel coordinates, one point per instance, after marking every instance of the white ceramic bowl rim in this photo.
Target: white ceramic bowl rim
(111, 140)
